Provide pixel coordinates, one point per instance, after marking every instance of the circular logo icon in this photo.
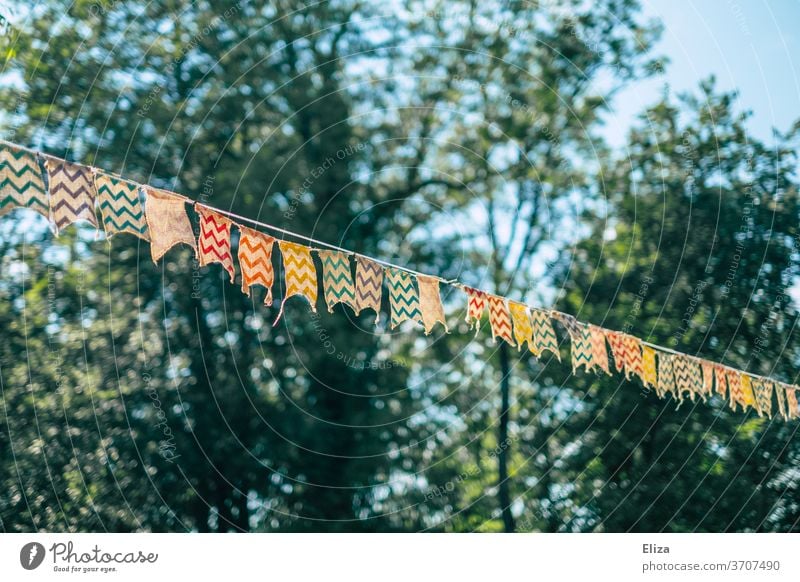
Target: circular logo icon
(31, 555)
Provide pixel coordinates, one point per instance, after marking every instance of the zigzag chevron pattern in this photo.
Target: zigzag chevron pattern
(735, 389)
(72, 194)
(337, 279)
(666, 375)
(763, 392)
(369, 286)
(521, 322)
(403, 297)
(708, 377)
(791, 403)
(21, 182)
(780, 396)
(120, 206)
(500, 319)
(300, 274)
(617, 342)
(214, 242)
(685, 376)
(544, 336)
(580, 340)
(748, 398)
(476, 305)
(633, 356)
(167, 222)
(430, 303)
(255, 261)
(721, 380)
(649, 372)
(599, 351)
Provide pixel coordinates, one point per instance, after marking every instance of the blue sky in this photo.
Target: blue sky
(752, 46)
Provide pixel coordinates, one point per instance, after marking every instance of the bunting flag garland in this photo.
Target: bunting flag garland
(430, 303)
(476, 305)
(403, 297)
(369, 283)
(75, 190)
(214, 242)
(21, 182)
(167, 222)
(649, 373)
(500, 319)
(255, 261)
(72, 194)
(544, 336)
(763, 393)
(521, 322)
(337, 279)
(300, 274)
(120, 206)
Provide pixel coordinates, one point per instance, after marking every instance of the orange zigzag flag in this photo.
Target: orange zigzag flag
(617, 342)
(599, 350)
(255, 261)
(476, 305)
(721, 380)
(500, 319)
(214, 242)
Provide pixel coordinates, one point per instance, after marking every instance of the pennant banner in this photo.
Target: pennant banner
(21, 182)
(403, 297)
(521, 322)
(476, 305)
(214, 242)
(337, 280)
(369, 284)
(430, 303)
(544, 336)
(167, 222)
(255, 261)
(500, 319)
(120, 206)
(72, 193)
(300, 274)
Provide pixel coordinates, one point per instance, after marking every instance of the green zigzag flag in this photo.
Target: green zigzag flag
(403, 297)
(337, 279)
(21, 182)
(120, 206)
(544, 336)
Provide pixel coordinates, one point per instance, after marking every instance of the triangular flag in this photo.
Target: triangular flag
(599, 352)
(21, 182)
(337, 279)
(214, 242)
(649, 373)
(763, 392)
(666, 375)
(255, 261)
(521, 321)
(403, 297)
(476, 304)
(167, 222)
(544, 336)
(369, 286)
(72, 194)
(500, 319)
(430, 303)
(300, 274)
(120, 206)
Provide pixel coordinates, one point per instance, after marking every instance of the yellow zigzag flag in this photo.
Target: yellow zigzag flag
(521, 322)
(300, 274)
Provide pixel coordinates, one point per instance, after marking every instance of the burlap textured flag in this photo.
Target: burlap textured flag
(780, 396)
(666, 375)
(255, 261)
(369, 286)
(72, 194)
(708, 377)
(430, 303)
(720, 380)
(791, 403)
(748, 398)
(736, 395)
(476, 304)
(616, 340)
(633, 357)
(581, 342)
(167, 222)
(681, 366)
(544, 336)
(21, 182)
(120, 206)
(649, 373)
(597, 337)
(403, 297)
(521, 322)
(500, 319)
(763, 393)
(337, 279)
(214, 242)
(300, 274)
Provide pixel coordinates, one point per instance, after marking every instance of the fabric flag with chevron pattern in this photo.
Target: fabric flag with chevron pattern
(599, 351)
(403, 297)
(708, 377)
(167, 222)
(791, 403)
(780, 397)
(72, 193)
(666, 375)
(430, 303)
(476, 304)
(337, 279)
(255, 261)
(616, 340)
(581, 345)
(21, 182)
(544, 336)
(214, 242)
(649, 371)
(300, 274)
(681, 366)
(500, 319)
(369, 286)
(748, 397)
(120, 206)
(633, 357)
(735, 388)
(763, 393)
(521, 322)
(720, 380)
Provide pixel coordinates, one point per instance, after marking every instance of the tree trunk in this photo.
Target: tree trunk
(503, 443)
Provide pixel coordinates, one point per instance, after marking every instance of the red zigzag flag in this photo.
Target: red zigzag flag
(214, 243)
